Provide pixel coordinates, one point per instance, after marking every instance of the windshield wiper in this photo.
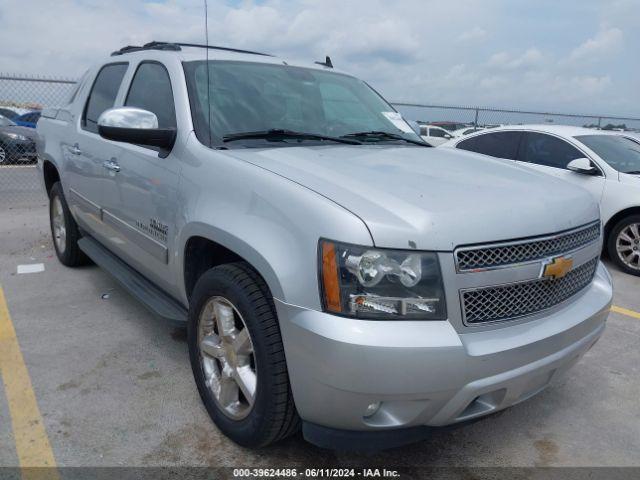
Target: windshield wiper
(278, 133)
(381, 136)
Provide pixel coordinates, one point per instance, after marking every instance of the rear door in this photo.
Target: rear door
(141, 201)
(550, 154)
(503, 144)
(86, 152)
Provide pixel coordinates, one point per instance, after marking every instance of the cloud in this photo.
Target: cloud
(530, 58)
(606, 42)
(493, 53)
(475, 34)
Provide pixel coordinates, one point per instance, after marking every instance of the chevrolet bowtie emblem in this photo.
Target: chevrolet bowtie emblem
(557, 267)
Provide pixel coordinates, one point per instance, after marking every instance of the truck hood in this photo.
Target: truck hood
(431, 198)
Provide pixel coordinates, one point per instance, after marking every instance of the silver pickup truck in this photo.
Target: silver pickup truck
(335, 274)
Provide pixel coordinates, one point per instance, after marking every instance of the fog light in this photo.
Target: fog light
(371, 409)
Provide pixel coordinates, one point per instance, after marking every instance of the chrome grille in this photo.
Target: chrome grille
(505, 302)
(489, 256)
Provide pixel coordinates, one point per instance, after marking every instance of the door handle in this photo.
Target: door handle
(111, 165)
(75, 149)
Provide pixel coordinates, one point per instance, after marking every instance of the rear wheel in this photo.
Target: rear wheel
(64, 229)
(237, 356)
(623, 244)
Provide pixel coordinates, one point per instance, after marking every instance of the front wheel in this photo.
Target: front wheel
(237, 356)
(623, 244)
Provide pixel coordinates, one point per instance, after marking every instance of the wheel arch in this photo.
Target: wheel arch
(204, 249)
(613, 221)
(50, 175)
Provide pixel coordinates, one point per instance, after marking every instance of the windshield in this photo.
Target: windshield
(619, 152)
(249, 97)
(5, 122)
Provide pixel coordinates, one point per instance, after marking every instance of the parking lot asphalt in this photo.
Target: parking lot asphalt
(112, 385)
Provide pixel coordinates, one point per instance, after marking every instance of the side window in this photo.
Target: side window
(436, 132)
(151, 90)
(103, 94)
(77, 87)
(546, 150)
(497, 144)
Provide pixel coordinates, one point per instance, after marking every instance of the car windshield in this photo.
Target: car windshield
(619, 152)
(5, 122)
(257, 99)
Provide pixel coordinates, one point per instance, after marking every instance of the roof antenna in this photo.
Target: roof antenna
(206, 36)
(326, 63)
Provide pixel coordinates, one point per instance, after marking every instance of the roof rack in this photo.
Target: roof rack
(147, 46)
(176, 47)
(228, 49)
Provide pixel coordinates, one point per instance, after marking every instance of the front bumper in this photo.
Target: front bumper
(426, 373)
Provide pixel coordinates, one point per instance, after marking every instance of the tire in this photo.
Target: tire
(271, 416)
(625, 235)
(4, 155)
(65, 239)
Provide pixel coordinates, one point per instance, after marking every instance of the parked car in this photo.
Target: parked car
(605, 163)
(29, 119)
(465, 131)
(451, 126)
(17, 144)
(434, 136)
(8, 113)
(333, 270)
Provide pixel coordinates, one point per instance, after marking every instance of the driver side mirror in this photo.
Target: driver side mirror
(135, 125)
(583, 166)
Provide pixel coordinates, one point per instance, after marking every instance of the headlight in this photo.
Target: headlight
(382, 284)
(17, 136)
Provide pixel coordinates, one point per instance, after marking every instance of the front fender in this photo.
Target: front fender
(271, 222)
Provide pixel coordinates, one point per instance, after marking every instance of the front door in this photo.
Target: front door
(141, 195)
(551, 155)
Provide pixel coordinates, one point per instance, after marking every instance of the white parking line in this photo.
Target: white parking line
(31, 268)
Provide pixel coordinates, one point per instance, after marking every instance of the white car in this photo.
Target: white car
(434, 135)
(461, 132)
(607, 164)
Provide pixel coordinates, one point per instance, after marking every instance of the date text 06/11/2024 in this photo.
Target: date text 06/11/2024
(316, 472)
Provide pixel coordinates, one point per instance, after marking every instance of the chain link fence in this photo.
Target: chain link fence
(23, 97)
(481, 117)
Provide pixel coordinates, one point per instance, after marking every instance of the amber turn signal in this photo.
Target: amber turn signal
(330, 282)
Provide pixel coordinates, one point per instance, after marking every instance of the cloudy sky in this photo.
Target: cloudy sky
(579, 56)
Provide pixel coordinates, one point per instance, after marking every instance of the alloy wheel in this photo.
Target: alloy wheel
(628, 246)
(58, 224)
(227, 358)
